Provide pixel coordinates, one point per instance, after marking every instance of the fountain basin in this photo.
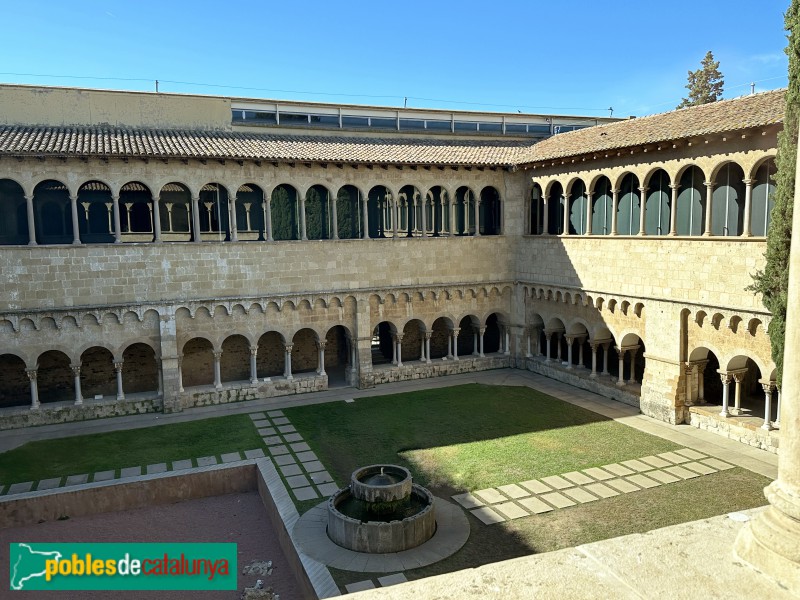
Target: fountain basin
(381, 483)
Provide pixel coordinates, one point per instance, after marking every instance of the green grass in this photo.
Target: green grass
(104, 451)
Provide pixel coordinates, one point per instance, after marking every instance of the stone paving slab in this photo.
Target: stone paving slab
(654, 461)
(465, 500)
(558, 500)
(328, 489)
(601, 490)
(262, 423)
(275, 413)
(206, 461)
(306, 456)
(75, 479)
(388, 580)
(289, 470)
(679, 471)
(514, 491)
(636, 465)
(643, 481)
(313, 466)
(699, 468)
(321, 477)
(287, 429)
(487, 516)
(293, 437)
(598, 474)
(618, 470)
(717, 464)
(663, 476)
(690, 454)
(580, 494)
(267, 431)
(284, 459)
(278, 450)
(672, 457)
(305, 493)
(281, 421)
(231, 457)
(510, 510)
(577, 478)
(19, 488)
(557, 482)
(256, 415)
(136, 471)
(536, 486)
(156, 468)
(535, 505)
(299, 447)
(255, 453)
(49, 484)
(179, 465)
(622, 485)
(297, 481)
(104, 475)
(490, 496)
(359, 586)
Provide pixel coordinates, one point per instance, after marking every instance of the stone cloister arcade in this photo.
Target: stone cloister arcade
(50, 211)
(717, 197)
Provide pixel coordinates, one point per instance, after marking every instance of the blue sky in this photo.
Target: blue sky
(571, 57)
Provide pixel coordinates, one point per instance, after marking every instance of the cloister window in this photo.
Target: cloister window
(691, 203)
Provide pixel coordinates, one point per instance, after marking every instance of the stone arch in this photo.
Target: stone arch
(197, 364)
(745, 394)
(140, 372)
(53, 213)
(691, 206)
(555, 209)
(15, 387)
(763, 196)
(271, 356)
(14, 224)
(602, 205)
(317, 213)
(284, 208)
(337, 353)
(437, 215)
(441, 337)
(536, 224)
(349, 212)
(214, 212)
(304, 351)
(251, 221)
(491, 211)
(55, 378)
(629, 204)
(413, 340)
(578, 207)
(727, 204)
(383, 349)
(380, 212)
(235, 359)
(465, 211)
(98, 376)
(137, 223)
(658, 204)
(175, 211)
(705, 386)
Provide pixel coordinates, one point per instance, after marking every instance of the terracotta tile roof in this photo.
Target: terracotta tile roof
(134, 143)
(755, 110)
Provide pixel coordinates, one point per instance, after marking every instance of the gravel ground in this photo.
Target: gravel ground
(237, 518)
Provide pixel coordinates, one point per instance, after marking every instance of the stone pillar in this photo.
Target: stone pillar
(673, 209)
(423, 202)
(196, 236)
(593, 374)
(422, 349)
(31, 222)
(253, 365)
(395, 216)
(474, 342)
(565, 224)
(234, 226)
(456, 331)
(399, 338)
(701, 382)
(428, 335)
(558, 346)
(621, 379)
(614, 206)
(302, 202)
(334, 200)
(709, 201)
(588, 212)
(546, 217)
(569, 339)
(118, 369)
(547, 336)
(777, 422)
(394, 349)
(217, 370)
(160, 377)
(32, 373)
(642, 209)
(768, 388)
(528, 332)
(287, 370)
(365, 218)
(632, 374)
(481, 331)
(478, 217)
(76, 234)
(726, 380)
(580, 352)
(321, 358)
(737, 394)
(507, 342)
(450, 345)
(748, 207)
(156, 219)
(606, 346)
(451, 231)
(76, 373)
(115, 212)
(268, 218)
(180, 373)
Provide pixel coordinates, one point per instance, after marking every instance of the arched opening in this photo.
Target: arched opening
(468, 336)
(285, 217)
(379, 209)
(271, 357)
(317, 213)
(96, 213)
(439, 215)
(727, 204)
(577, 339)
(705, 385)
(53, 213)
(176, 214)
(413, 344)
(304, 351)
(553, 343)
(536, 224)
(348, 215)
(140, 369)
(629, 205)
(214, 216)
(441, 338)
(15, 387)
(234, 364)
(555, 210)
(691, 203)
(197, 365)
(337, 355)
(98, 376)
(763, 198)
(631, 349)
(602, 207)
(383, 344)
(491, 217)
(657, 208)
(465, 211)
(492, 335)
(136, 213)
(55, 378)
(409, 211)
(14, 224)
(745, 393)
(577, 208)
(251, 216)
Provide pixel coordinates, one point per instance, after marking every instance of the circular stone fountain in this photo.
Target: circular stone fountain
(381, 511)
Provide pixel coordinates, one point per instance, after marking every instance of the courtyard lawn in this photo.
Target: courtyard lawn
(105, 451)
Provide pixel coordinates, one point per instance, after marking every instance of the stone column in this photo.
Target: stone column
(546, 217)
(253, 365)
(302, 202)
(115, 212)
(217, 370)
(76, 373)
(395, 216)
(365, 218)
(477, 215)
(334, 200)
(709, 201)
(31, 222)
(621, 378)
(422, 349)
(642, 209)
(428, 335)
(268, 218)
(451, 230)
(399, 338)
(196, 235)
(450, 346)
(233, 225)
(32, 373)
(737, 394)
(588, 212)
(456, 331)
(156, 219)
(593, 374)
(423, 202)
(673, 209)
(569, 339)
(287, 370)
(701, 382)
(76, 234)
(632, 374)
(481, 331)
(180, 373)
(580, 352)
(565, 224)
(777, 422)
(321, 358)
(474, 341)
(558, 346)
(394, 349)
(614, 206)
(768, 388)
(506, 342)
(528, 335)
(748, 207)
(547, 336)
(118, 369)
(726, 379)
(606, 346)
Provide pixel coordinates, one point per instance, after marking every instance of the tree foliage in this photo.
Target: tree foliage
(705, 84)
(773, 281)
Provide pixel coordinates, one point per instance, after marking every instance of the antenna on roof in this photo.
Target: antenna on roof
(753, 88)
(610, 111)
(156, 86)
(405, 101)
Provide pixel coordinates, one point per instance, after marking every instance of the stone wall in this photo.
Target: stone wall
(734, 429)
(241, 391)
(65, 412)
(437, 368)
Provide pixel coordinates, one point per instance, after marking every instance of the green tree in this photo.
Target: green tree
(705, 84)
(773, 281)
